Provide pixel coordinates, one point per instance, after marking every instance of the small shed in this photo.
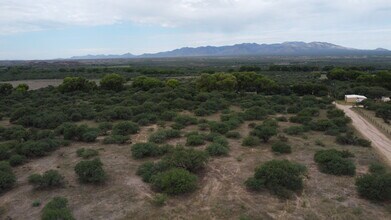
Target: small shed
(354, 98)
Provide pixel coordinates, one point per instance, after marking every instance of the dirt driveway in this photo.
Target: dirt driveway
(379, 141)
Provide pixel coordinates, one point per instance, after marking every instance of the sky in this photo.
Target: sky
(49, 29)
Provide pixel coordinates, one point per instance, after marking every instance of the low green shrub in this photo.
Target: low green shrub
(90, 171)
(57, 209)
(375, 186)
(185, 120)
(104, 127)
(233, 135)
(116, 139)
(163, 135)
(159, 199)
(282, 177)
(255, 184)
(189, 159)
(195, 139)
(377, 168)
(87, 153)
(218, 127)
(251, 141)
(175, 181)
(16, 160)
(350, 139)
(90, 136)
(148, 169)
(264, 132)
(125, 128)
(281, 147)
(142, 150)
(335, 162)
(295, 130)
(7, 177)
(217, 150)
(49, 179)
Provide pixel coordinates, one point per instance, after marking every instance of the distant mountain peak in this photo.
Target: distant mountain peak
(289, 48)
(382, 49)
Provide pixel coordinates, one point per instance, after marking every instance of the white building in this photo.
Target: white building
(354, 98)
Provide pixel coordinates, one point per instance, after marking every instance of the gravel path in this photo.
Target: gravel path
(379, 141)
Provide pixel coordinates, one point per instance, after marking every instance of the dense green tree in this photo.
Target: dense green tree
(113, 82)
(22, 87)
(173, 83)
(147, 83)
(72, 84)
(5, 88)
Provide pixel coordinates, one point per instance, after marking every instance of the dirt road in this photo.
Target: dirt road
(379, 141)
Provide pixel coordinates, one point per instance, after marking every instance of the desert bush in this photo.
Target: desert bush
(185, 120)
(220, 140)
(255, 184)
(251, 141)
(350, 139)
(90, 171)
(377, 168)
(115, 139)
(5, 151)
(7, 177)
(57, 209)
(50, 179)
(195, 139)
(125, 128)
(89, 136)
(218, 127)
(87, 153)
(322, 125)
(104, 127)
(149, 169)
(163, 135)
(280, 176)
(189, 159)
(217, 150)
(203, 126)
(282, 119)
(282, 148)
(255, 113)
(375, 186)
(38, 148)
(159, 199)
(335, 113)
(295, 130)
(175, 181)
(335, 162)
(142, 150)
(300, 119)
(264, 132)
(233, 135)
(168, 115)
(309, 112)
(17, 159)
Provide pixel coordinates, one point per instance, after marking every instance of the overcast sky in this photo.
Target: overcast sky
(46, 29)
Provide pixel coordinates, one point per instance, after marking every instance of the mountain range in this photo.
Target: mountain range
(252, 49)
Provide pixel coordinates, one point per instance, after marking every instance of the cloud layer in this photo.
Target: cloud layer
(216, 15)
(51, 29)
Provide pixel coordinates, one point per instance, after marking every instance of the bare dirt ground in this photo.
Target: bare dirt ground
(35, 84)
(221, 193)
(380, 141)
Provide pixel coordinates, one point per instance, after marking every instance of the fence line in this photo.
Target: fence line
(374, 121)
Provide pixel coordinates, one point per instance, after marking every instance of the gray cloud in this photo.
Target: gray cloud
(215, 15)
